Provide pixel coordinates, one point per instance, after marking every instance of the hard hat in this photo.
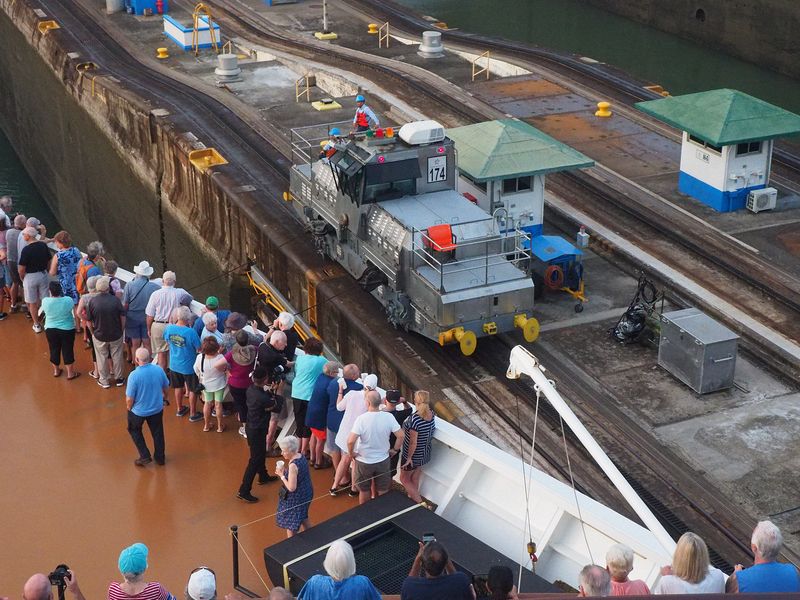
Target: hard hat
(360, 98)
(335, 131)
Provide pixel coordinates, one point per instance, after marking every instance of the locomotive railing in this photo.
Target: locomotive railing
(511, 250)
(306, 142)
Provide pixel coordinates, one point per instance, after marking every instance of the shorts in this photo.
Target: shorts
(379, 472)
(12, 270)
(216, 396)
(136, 329)
(330, 442)
(300, 409)
(36, 286)
(157, 342)
(178, 380)
(6, 276)
(318, 433)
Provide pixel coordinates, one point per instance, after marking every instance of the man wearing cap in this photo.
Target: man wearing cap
(106, 318)
(364, 116)
(158, 311)
(132, 564)
(369, 449)
(135, 297)
(13, 236)
(212, 306)
(202, 585)
(33, 266)
(329, 148)
(233, 324)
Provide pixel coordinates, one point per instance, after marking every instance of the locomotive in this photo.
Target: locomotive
(384, 205)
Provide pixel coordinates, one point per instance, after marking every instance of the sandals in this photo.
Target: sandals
(221, 429)
(58, 373)
(206, 429)
(93, 375)
(75, 375)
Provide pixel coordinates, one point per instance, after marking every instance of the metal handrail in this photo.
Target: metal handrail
(306, 90)
(383, 35)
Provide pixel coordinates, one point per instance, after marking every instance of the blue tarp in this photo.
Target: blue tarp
(553, 249)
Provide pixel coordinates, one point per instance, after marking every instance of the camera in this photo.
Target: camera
(58, 578)
(277, 374)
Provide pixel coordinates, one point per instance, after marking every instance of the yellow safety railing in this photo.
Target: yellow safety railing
(201, 10)
(273, 302)
(303, 86)
(477, 69)
(383, 35)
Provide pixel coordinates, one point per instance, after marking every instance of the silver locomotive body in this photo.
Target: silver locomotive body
(388, 212)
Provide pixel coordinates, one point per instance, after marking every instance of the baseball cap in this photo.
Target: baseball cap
(202, 584)
(212, 302)
(133, 559)
(393, 396)
(370, 381)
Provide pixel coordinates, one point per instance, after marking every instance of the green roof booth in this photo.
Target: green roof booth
(502, 165)
(726, 150)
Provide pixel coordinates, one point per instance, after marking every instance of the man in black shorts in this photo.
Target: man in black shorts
(183, 346)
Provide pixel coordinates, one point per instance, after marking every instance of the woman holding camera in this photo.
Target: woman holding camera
(418, 436)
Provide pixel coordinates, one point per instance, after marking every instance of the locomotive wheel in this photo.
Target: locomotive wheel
(468, 343)
(530, 331)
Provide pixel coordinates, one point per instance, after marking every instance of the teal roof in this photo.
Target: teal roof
(724, 117)
(510, 148)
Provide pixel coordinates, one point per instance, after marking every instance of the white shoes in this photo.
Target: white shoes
(36, 328)
(242, 432)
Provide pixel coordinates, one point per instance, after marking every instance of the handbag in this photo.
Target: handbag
(283, 493)
(200, 387)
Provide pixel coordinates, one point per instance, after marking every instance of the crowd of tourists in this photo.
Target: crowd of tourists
(433, 576)
(145, 327)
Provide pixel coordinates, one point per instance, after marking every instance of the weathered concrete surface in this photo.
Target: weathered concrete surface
(763, 32)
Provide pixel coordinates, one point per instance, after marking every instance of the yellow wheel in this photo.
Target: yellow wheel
(468, 343)
(530, 331)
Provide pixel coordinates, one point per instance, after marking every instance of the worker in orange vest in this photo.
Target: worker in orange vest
(364, 116)
(329, 149)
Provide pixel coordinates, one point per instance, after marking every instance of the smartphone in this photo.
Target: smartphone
(428, 537)
(479, 582)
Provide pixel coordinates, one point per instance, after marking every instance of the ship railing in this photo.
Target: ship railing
(511, 250)
(306, 141)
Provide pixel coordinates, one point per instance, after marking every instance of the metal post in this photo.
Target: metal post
(235, 542)
(325, 16)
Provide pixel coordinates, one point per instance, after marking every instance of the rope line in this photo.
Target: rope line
(575, 492)
(528, 523)
(247, 556)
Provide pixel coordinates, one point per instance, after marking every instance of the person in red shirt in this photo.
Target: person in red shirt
(619, 563)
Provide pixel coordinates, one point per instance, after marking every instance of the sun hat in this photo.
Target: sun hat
(370, 381)
(133, 559)
(235, 321)
(143, 268)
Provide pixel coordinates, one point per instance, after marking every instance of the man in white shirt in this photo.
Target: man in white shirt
(371, 456)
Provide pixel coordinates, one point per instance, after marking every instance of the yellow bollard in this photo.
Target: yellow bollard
(603, 109)
(162, 53)
(372, 28)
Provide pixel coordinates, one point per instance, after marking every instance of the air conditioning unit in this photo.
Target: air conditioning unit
(419, 133)
(763, 199)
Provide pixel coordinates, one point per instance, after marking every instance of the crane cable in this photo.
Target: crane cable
(527, 481)
(575, 491)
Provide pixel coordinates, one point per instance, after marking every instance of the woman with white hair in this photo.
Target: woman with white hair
(285, 323)
(619, 563)
(210, 327)
(296, 492)
(341, 580)
(690, 571)
(83, 304)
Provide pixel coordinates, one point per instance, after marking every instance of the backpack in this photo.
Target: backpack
(81, 277)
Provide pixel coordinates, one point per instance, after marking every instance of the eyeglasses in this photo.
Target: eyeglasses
(201, 568)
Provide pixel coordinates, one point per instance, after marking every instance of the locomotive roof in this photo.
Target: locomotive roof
(448, 206)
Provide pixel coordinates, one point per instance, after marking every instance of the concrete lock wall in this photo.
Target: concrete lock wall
(763, 32)
(113, 171)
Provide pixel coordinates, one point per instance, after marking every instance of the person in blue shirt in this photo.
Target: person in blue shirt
(365, 118)
(212, 306)
(341, 581)
(145, 397)
(183, 344)
(441, 580)
(317, 414)
(767, 574)
(307, 367)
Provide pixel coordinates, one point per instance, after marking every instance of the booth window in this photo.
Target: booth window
(516, 184)
(748, 148)
(705, 144)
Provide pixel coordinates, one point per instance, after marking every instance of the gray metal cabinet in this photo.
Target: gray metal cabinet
(697, 350)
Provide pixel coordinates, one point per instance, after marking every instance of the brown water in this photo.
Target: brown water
(71, 494)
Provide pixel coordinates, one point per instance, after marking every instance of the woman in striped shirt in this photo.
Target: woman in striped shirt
(132, 565)
(418, 429)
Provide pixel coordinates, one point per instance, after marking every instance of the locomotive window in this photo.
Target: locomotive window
(392, 171)
(389, 191)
